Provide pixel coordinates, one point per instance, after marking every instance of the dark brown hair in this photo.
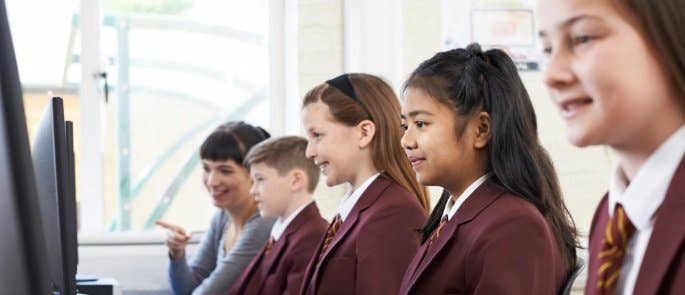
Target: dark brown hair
(284, 154)
(376, 102)
(231, 141)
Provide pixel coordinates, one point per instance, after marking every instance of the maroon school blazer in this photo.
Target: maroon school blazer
(496, 243)
(373, 246)
(281, 270)
(663, 266)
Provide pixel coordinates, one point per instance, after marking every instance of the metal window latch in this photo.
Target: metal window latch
(105, 86)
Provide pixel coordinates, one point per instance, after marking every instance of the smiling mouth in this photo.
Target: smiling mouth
(219, 194)
(322, 166)
(572, 107)
(416, 161)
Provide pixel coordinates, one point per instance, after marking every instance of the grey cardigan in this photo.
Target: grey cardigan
(211, 270)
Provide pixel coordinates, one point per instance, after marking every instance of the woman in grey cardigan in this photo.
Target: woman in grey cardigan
(237, 232)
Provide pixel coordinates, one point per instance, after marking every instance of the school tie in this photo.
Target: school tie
(618, 232)
(436, 233)
(443, 221)
(330, 234)
(269, 245)
(434, 236)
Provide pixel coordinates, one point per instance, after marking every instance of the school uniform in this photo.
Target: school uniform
(373, 243)
(637, 236)
(492, 242)
(279, 267)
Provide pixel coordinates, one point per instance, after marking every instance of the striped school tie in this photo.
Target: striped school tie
(330, 234)
(443, 221)
(434, 236)
(436, 233)
(269, 245)
(616, 237)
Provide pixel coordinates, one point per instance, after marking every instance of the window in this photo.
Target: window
(173, 71)
(41, 40)
(178, 69)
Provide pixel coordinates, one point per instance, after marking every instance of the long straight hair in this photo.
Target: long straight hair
(376, 102)
(470, 81)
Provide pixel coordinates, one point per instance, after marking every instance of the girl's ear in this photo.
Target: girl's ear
(367, 130)
(483, 130)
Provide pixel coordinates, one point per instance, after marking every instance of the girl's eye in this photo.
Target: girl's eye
(404, 127)
(582, 39)
(420, 124)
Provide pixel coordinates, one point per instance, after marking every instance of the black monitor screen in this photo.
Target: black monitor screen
(50, 165)
(67, 206)
(22, 247)
(15, 272)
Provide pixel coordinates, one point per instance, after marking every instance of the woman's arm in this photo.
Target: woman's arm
(185, 277)
(249, 243)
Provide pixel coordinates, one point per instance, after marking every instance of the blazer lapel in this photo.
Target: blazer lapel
(311, 273)
(413, 266)
(430, 252)
(274, 255)
(479, 200)
(271, 259)
(368, 197)
(249, 271)
(419, 257)
(599, 224)
(312, 269)
(667, 236)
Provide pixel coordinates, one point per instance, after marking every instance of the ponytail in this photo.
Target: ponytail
(471, 81)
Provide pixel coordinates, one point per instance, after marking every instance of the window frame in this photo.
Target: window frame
(282, 94)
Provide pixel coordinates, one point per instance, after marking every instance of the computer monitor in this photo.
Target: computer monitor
(67, 213)
(22, 247)
(50, 163)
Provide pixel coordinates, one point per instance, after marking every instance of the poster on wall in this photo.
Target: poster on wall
(511, 29)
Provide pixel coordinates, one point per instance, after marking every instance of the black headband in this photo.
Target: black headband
(343, 84)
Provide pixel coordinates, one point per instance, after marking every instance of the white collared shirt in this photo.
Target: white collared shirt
(281, 224)
(450, 211)
(641, 198)
(353, 196)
